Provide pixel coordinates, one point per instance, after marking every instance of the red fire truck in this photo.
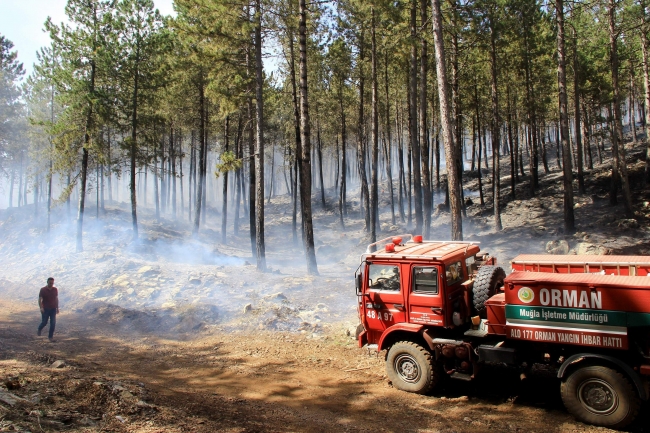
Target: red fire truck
(445, 309)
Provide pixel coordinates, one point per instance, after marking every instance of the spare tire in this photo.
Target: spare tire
(487, 283)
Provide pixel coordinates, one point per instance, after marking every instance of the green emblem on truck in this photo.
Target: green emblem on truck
(526, 295)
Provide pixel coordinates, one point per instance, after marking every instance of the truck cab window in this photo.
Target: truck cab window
(454, 273)
(383, 277)
(425, 280)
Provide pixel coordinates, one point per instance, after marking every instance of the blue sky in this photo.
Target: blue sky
(21, 21)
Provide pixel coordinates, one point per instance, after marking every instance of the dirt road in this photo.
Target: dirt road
(239, 382)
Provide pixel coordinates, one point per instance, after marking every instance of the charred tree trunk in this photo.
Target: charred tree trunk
(343, 184)
(618, 149)
(645, 46)
(199, 187)
(480, 134)
(238, 176)
(84, 164)
(388, 146)
(496, 129)
(49, 172)
(224, 198)
(569, 219)
(413, 127)
(424, 144)
(447, 126)
(576, 109)
(319, 151)
(305, 168)
(513, 167)
(260, 250)
(400, 157)
(155, 181)
(296, 126)
(364, 200)
(374, 134)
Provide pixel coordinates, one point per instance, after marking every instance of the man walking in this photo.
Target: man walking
(48, 301)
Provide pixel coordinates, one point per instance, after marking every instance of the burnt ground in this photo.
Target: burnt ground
(242, 381)
(171, 334)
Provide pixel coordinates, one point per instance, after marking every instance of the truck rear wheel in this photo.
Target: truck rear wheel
(601, 396)
(488, 281)
(410, 367)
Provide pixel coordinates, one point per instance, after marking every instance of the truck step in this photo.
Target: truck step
(461, 376)
(482, 330)
(371, 348)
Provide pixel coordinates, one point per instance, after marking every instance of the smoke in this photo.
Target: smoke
(168, 280)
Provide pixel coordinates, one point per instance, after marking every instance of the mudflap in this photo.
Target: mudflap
(361, 335)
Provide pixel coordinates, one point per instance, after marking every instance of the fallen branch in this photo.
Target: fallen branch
(357, 369)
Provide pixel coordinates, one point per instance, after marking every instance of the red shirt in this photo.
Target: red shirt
(50, 297)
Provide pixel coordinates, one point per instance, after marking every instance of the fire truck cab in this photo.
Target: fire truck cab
(408, 286)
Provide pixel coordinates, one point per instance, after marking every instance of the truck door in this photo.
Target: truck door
(426, 300)
(385, 300)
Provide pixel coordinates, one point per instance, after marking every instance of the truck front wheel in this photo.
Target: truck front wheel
(601, 396)
(410, 367)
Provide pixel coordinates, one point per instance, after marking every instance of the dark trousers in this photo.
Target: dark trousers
(48, 314)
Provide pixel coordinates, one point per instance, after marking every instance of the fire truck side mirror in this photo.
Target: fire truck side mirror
(357, 282)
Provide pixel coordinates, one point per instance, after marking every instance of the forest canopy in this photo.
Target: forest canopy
(367, 102)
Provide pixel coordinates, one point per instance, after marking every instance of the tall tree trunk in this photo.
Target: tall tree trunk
(388, 145)
(413, 126)
(447, 126)
(271, 175)
(163, 184)
(645, 46)
(400, 156)
(238, 176)
(343, 194)
(364, 200)
(133, 147)
(424, 143)
(374, 197)
(109, 162)
(155, 181)
(49, 172)
(569, 219)
(259, 138)
(11, 187)
(587, 138)
(496, 129)
(631, 111)
(305, 169)
(36, 192)
(530, 103)
(199, 183)
(224, 199)
(20, 185)
(173, 171)
(251, 178)
(82, 193)
(84, 162)
(180, 167)
(576, 109)
(203, 174)
(480, 134)
(513, 166)
(191, 187)
(619, 148)
(296, 126)
(319, 151)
